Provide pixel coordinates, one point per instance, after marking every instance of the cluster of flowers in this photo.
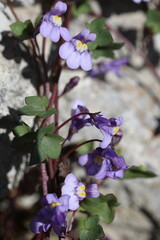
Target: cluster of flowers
(55, 209)
(102, 163)
(74, 50)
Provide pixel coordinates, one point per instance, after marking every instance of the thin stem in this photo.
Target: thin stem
(72, 220)
(44, 178)
(73, 117)
(75, 147)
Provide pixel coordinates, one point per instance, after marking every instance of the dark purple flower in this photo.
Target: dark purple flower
(53, 214)
(51, 25)
(103, 163)
(75, 52)
(113, 66)
(70, 85)
(78, 191)
(80, 121)
(108, 127)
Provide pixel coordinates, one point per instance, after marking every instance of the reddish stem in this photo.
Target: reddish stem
(44, 178)
(73, 117)
(74, 148)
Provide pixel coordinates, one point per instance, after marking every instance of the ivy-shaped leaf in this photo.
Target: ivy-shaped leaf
(21, 130)
(23, 30)
(102, 206)
(138, 172)
(81, 7)
(47, 145)
(103, 45)
(37, 106)
(153, 20)
(91, 230)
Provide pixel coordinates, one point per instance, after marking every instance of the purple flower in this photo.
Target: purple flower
(80, 121)
(139, 1)
(113, 66)
(70, 85)
(75, 52)
(103, 163)
(53, 214)
(78, 191)
(108, 127)
(52, 22)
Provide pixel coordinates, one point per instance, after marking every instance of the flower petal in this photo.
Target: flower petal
(59, 8)
(92, 191)
(64, 200)
(39, 224)
(73, 60)
(49, 198)
(83, 35)
(65, 50)
(73, 203)
(106, 140)
(83, 159)
(86, 61)
(91, 37)
(45, 28)
(55, 34)
(71, 179)
(65, 34)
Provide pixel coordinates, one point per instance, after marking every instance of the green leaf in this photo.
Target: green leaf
(103, 35)
(21, 130)
(23, 30)
(37, 106)
(102, 206)
(91, 230)
(38, 20)
(138, 172)
(103, 53)
(47, 145)
(84, 149)
(81, 7)
(153, 20)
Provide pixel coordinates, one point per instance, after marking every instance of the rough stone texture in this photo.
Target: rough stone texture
(15, 85)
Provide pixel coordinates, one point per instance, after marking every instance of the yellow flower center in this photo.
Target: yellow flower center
(57, 20)
(81, 191)
(98, 160)
(54, 204)
(116, 129)
(81, 46)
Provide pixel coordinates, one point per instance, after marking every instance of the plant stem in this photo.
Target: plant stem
(75, 147)
(73, 117)
(72, 220)
(44, 178)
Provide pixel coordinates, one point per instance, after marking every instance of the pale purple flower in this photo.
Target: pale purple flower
(53, 214)
(51, 25)
(103, 163)
(78, 191)
(75, 52)
(113, 66)
(108, 127)
(139, 1)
